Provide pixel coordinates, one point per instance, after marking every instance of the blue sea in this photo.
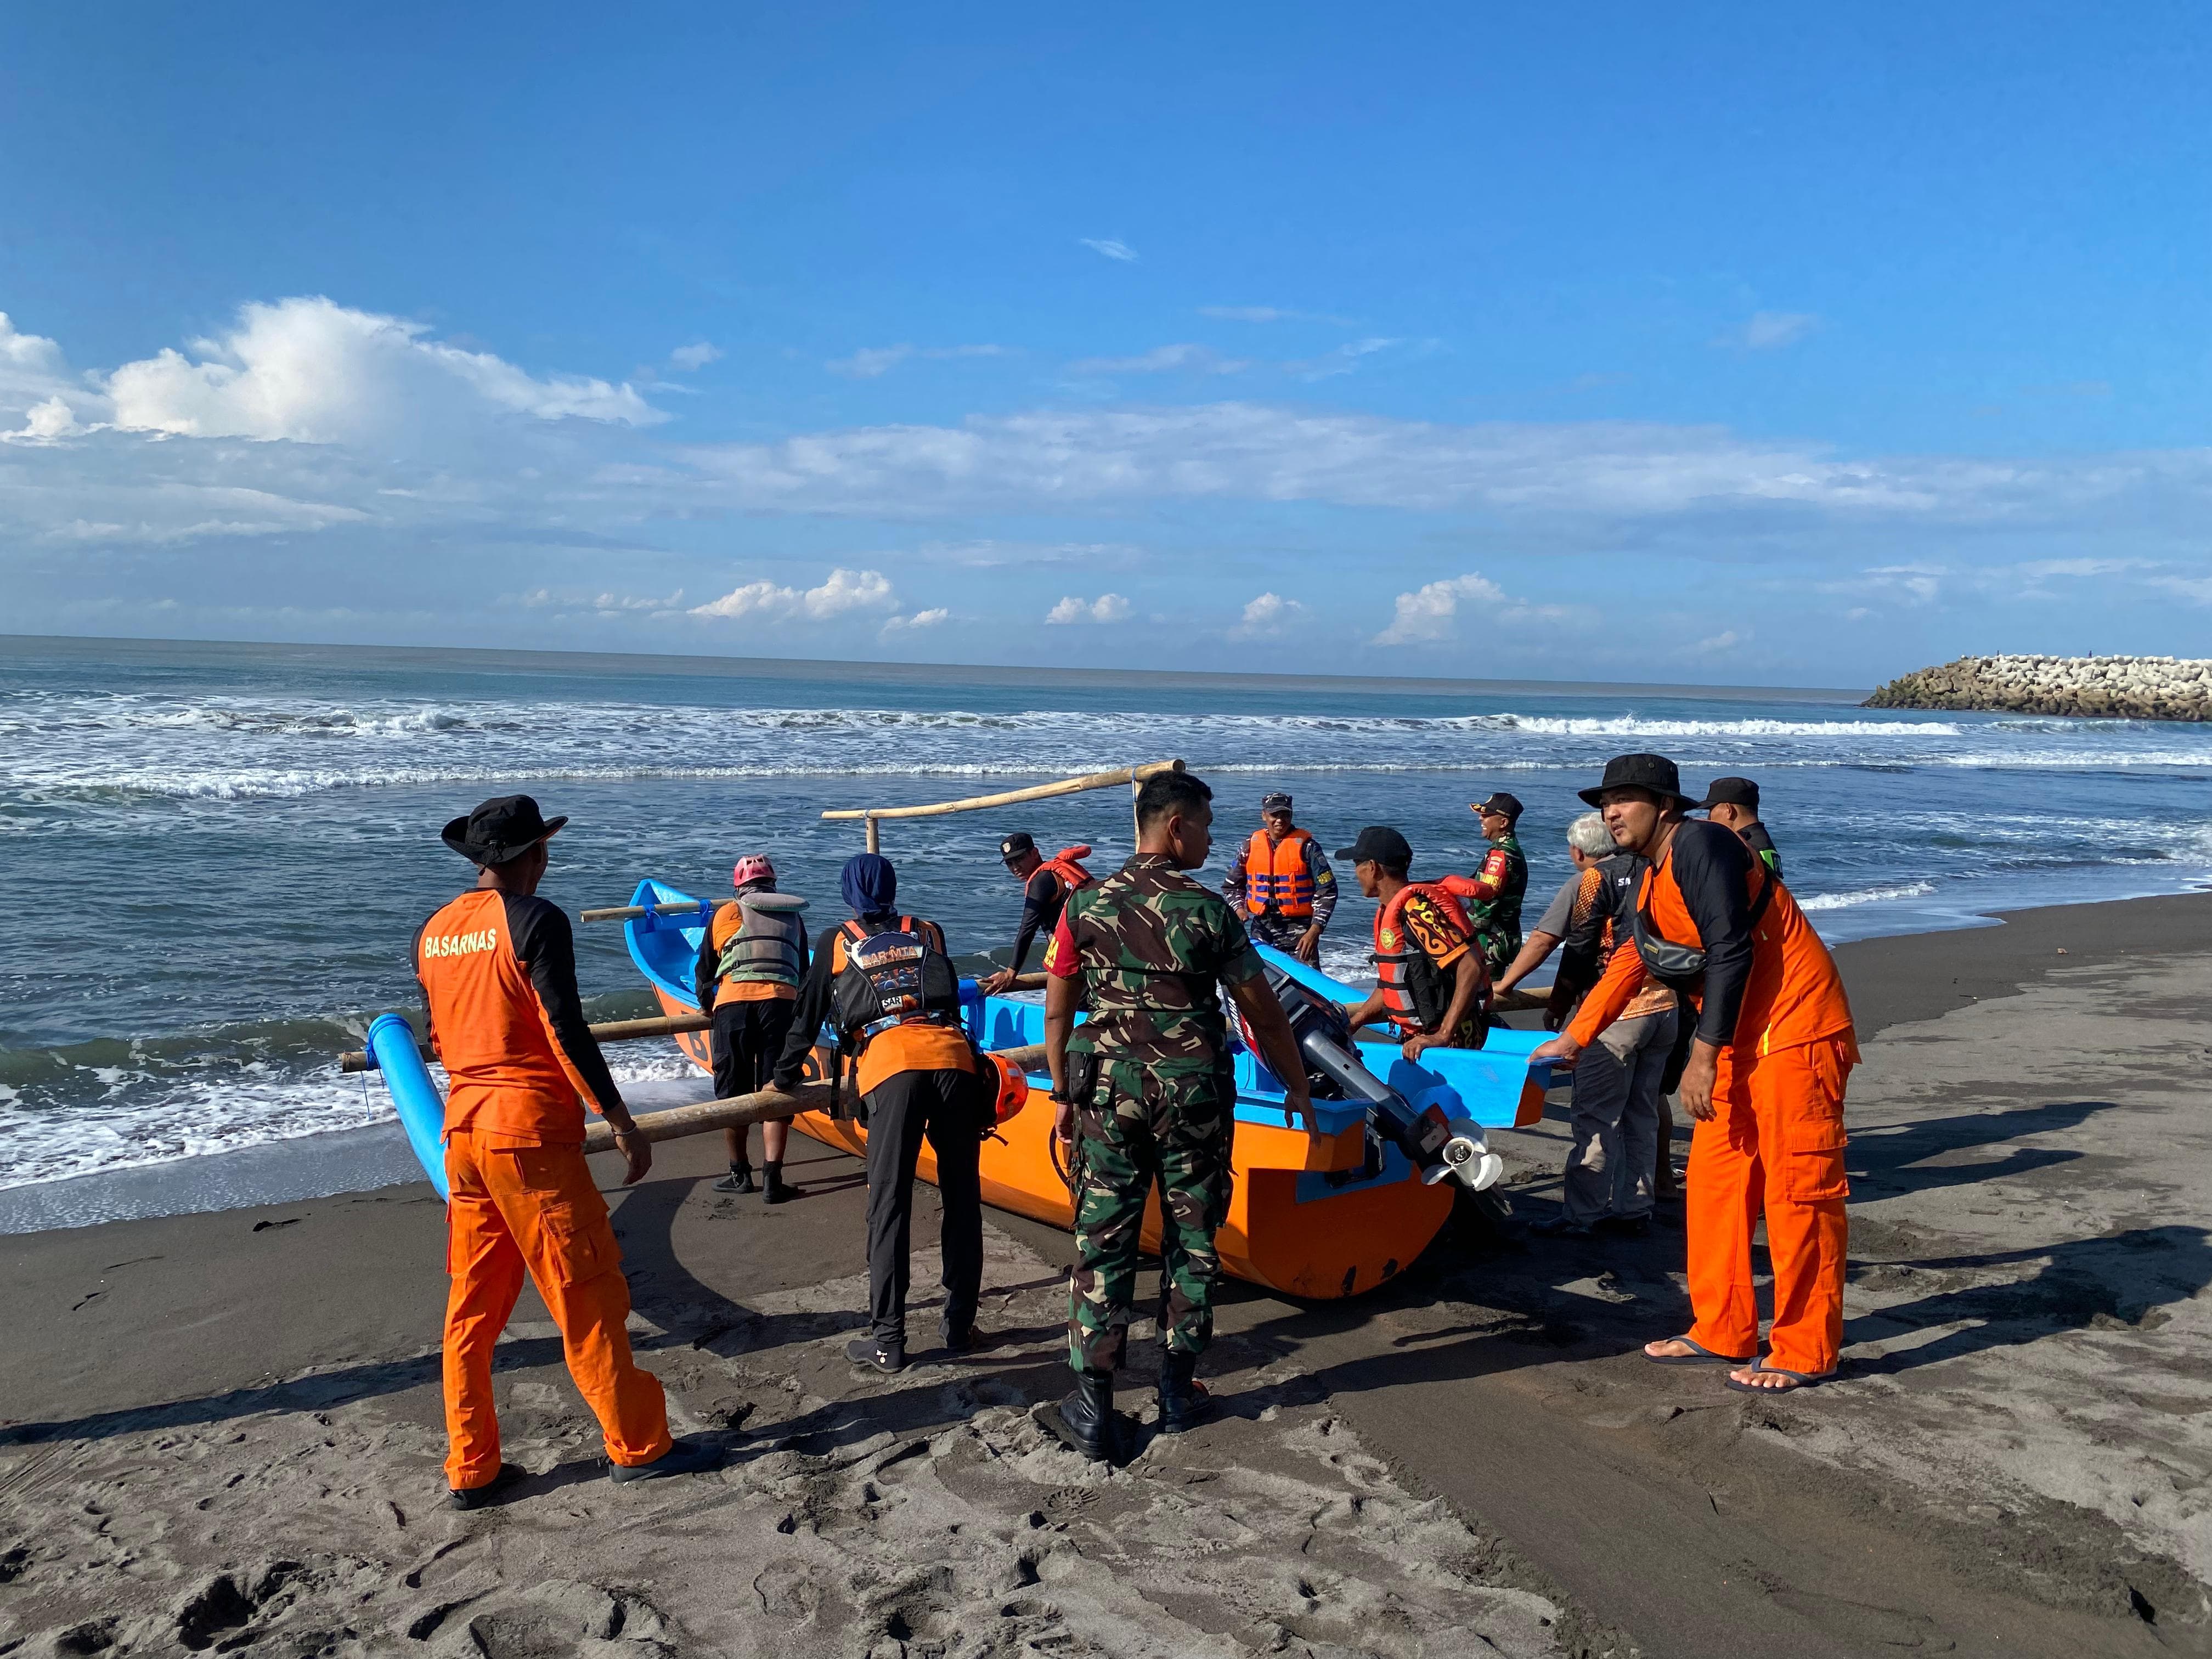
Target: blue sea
(214, 855)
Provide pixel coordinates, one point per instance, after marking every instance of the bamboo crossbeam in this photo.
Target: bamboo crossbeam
(1013, 797)
(765, 1106)
(612, 1031)
(631, 912)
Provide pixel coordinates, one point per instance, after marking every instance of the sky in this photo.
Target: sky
(1705, 344)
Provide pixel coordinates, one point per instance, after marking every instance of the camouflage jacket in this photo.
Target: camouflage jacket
(1153, 947)
(1505, 870)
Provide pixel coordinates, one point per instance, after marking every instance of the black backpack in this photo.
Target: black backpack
(894, 978)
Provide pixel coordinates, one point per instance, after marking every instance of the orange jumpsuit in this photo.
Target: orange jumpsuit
(499, 971)
(1775, 1143)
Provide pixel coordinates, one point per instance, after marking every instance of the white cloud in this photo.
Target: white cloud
(1106, 608)
(1110, 248)
(1160, 360)
(46, 421)
(693, 358)
(1270, 613)
(314, 371)
(1268, 314)
(1766, 330)
(23, 354)
(1726, 640)
(1430, 612)
(1342, 361)
(2197, 589)
(844, 592)
(617, 603)
(869, 361)
(929, 618)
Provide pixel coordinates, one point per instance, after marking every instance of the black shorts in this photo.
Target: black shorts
(748, 1039)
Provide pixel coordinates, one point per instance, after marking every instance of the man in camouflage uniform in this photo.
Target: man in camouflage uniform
(1145, 1091)
(1494, 906)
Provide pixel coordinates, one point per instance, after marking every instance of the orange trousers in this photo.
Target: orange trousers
(517, 1208)
(1775, 1144)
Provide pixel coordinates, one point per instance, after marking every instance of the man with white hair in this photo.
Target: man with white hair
(1614, 1167)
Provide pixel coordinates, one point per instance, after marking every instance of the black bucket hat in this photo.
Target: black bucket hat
(502, 828)
(1653, 772)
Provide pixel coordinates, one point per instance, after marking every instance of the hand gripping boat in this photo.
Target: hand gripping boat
(1324, 1213)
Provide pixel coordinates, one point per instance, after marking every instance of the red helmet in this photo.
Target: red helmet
(753, 867)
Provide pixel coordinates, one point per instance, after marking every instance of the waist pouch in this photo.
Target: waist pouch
(1680, 967)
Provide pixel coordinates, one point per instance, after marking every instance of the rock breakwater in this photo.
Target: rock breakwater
(2112, 688)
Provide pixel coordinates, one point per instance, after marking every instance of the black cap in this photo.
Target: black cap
(1012, 847)
(1501, 802)
(503, 828)
(1731, 792)
(1653, 772)
(1381, 843)
(1275, 801)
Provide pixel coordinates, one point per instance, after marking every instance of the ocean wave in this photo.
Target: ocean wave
(1910, 889)
(1636, 725)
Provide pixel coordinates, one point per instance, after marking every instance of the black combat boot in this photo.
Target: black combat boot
(1183, 1400)
(773, 1190)
(739, 1179)
(1088, 1416)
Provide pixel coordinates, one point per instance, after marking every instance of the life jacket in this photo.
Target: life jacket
(894, 978)
(1410, 986)
(764, 943)
(1069, 873)
(1277, 877)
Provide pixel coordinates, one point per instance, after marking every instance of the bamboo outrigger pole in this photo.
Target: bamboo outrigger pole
(1131, 776)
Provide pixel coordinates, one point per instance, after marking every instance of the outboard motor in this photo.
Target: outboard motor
(1437, 1142)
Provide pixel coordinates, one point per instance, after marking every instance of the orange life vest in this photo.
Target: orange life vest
(506, 1072)
(1276, 875)
(1395, 951)
(1066, 871)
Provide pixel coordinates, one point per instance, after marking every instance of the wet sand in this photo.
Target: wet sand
(225, 1427)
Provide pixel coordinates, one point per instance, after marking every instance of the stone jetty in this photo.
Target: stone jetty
(2113, 688)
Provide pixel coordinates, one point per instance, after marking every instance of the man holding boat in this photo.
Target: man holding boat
(1281, 881)
(1765, 1078)
(1146, 1093)
(1432, 982)
(498, 970)
(752, 955)
(1046, 884)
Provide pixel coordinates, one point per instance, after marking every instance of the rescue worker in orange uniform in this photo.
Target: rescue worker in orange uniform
(1282, 884)
(1046, 884)
(1765, 1077)
(498, 967)
(752, 955)
(918, 1075)
(1431, 983)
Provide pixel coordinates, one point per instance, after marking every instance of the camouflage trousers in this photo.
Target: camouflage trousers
(1137, 1129)
(1282, 931)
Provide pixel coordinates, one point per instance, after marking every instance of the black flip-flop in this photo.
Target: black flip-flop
(1701, 1355)
(1800, 1379)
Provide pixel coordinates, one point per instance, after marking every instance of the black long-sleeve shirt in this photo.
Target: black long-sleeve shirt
(1708, 865)
(1042, 899)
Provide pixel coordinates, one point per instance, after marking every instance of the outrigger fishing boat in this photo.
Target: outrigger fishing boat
(1321, 1212)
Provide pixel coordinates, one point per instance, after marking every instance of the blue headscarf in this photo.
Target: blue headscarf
(870, 884)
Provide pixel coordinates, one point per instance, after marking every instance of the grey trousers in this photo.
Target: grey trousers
(1616, 1119)
(902, 1108)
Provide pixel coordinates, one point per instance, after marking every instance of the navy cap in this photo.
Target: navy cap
(1382, 844)
(1012, 847)
(1275, 801)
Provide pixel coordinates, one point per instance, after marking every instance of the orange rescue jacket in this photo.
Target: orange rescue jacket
(1276, 874)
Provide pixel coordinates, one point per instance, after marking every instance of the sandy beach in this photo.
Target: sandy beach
(223, 1430)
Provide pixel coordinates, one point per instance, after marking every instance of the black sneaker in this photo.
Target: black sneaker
(885, 1357)
(739, 1180)
(492, 1491)
(685, 1457)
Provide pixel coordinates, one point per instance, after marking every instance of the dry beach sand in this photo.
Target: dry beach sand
(223, 1429)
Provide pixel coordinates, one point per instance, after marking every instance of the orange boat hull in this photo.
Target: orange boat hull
(1281, 1231)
